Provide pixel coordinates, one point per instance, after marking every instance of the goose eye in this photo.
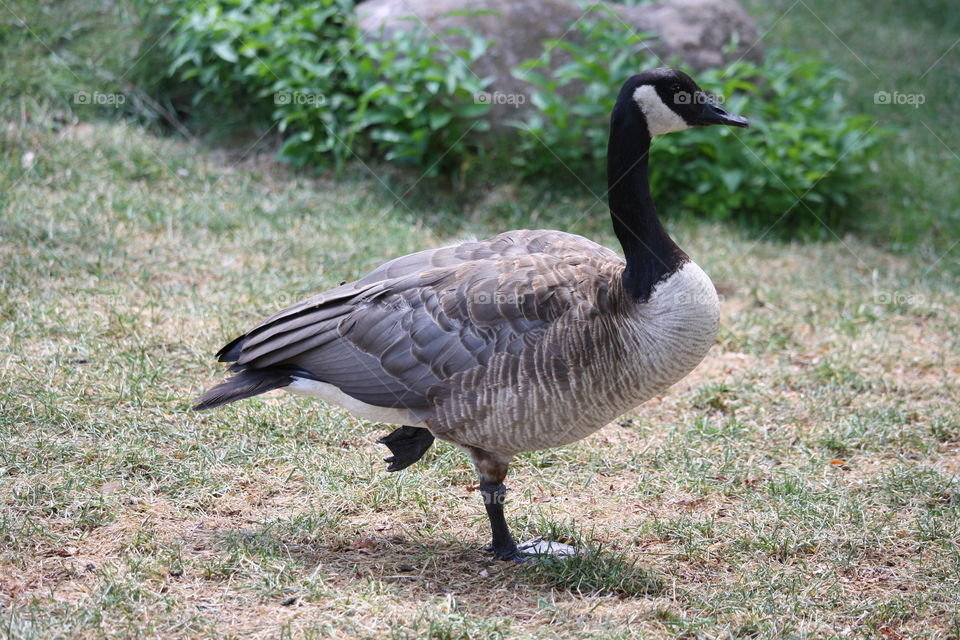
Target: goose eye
(675, 87)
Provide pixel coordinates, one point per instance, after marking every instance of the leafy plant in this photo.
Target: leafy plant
(574, 100)
(304, 67)
(410, 100)
(407, 97)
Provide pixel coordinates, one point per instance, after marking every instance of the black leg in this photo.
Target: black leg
(407, 444)
(504, 546)
(492, 469)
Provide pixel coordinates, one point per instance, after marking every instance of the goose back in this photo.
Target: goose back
(386, 339)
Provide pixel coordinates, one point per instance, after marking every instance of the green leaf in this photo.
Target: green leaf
(731, 179)
(471, 110)
(225, 50)
(439, 119)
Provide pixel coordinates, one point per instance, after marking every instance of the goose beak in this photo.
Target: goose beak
(715, 114)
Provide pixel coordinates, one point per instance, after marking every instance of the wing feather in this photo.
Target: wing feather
(416, 321)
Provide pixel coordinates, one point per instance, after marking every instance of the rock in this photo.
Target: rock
(698, 31)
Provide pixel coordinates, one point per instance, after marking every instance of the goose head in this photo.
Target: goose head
(669, 100)
(650, 103)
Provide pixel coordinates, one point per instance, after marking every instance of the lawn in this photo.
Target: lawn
(802, 482)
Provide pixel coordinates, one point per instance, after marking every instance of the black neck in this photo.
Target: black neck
(650, 252)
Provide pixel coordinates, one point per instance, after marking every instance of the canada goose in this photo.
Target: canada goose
(528, 340)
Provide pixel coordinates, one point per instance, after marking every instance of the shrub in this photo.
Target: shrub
(305, 68)
(411, 100)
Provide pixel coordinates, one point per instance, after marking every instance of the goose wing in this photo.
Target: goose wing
(389, 337)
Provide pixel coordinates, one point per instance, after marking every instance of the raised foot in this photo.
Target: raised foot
(407, 444)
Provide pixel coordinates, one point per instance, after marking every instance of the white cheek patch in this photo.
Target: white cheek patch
(660, 118)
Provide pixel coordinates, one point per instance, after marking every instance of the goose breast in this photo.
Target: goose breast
(585, 371)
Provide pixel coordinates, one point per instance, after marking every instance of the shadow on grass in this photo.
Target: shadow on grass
(594, 571)
(437, 565)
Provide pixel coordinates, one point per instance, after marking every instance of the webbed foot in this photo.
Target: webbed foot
(407, 444)
(531, 550)
(540, 547)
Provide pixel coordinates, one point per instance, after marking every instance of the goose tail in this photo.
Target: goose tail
(245, 384)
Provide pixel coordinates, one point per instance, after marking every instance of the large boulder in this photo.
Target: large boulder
(697, 31)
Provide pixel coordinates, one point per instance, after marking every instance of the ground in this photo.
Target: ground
(802, 482)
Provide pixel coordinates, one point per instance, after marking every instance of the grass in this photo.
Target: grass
(889, 46)
(801, 483)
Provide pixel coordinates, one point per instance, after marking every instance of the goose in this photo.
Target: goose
(529, 340)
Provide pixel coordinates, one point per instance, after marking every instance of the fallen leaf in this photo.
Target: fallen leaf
(110, 487)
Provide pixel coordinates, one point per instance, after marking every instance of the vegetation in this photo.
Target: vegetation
(910, 204)
(304, 67)
(338, 95)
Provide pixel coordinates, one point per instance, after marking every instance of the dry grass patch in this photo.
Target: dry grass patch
(801, 483)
